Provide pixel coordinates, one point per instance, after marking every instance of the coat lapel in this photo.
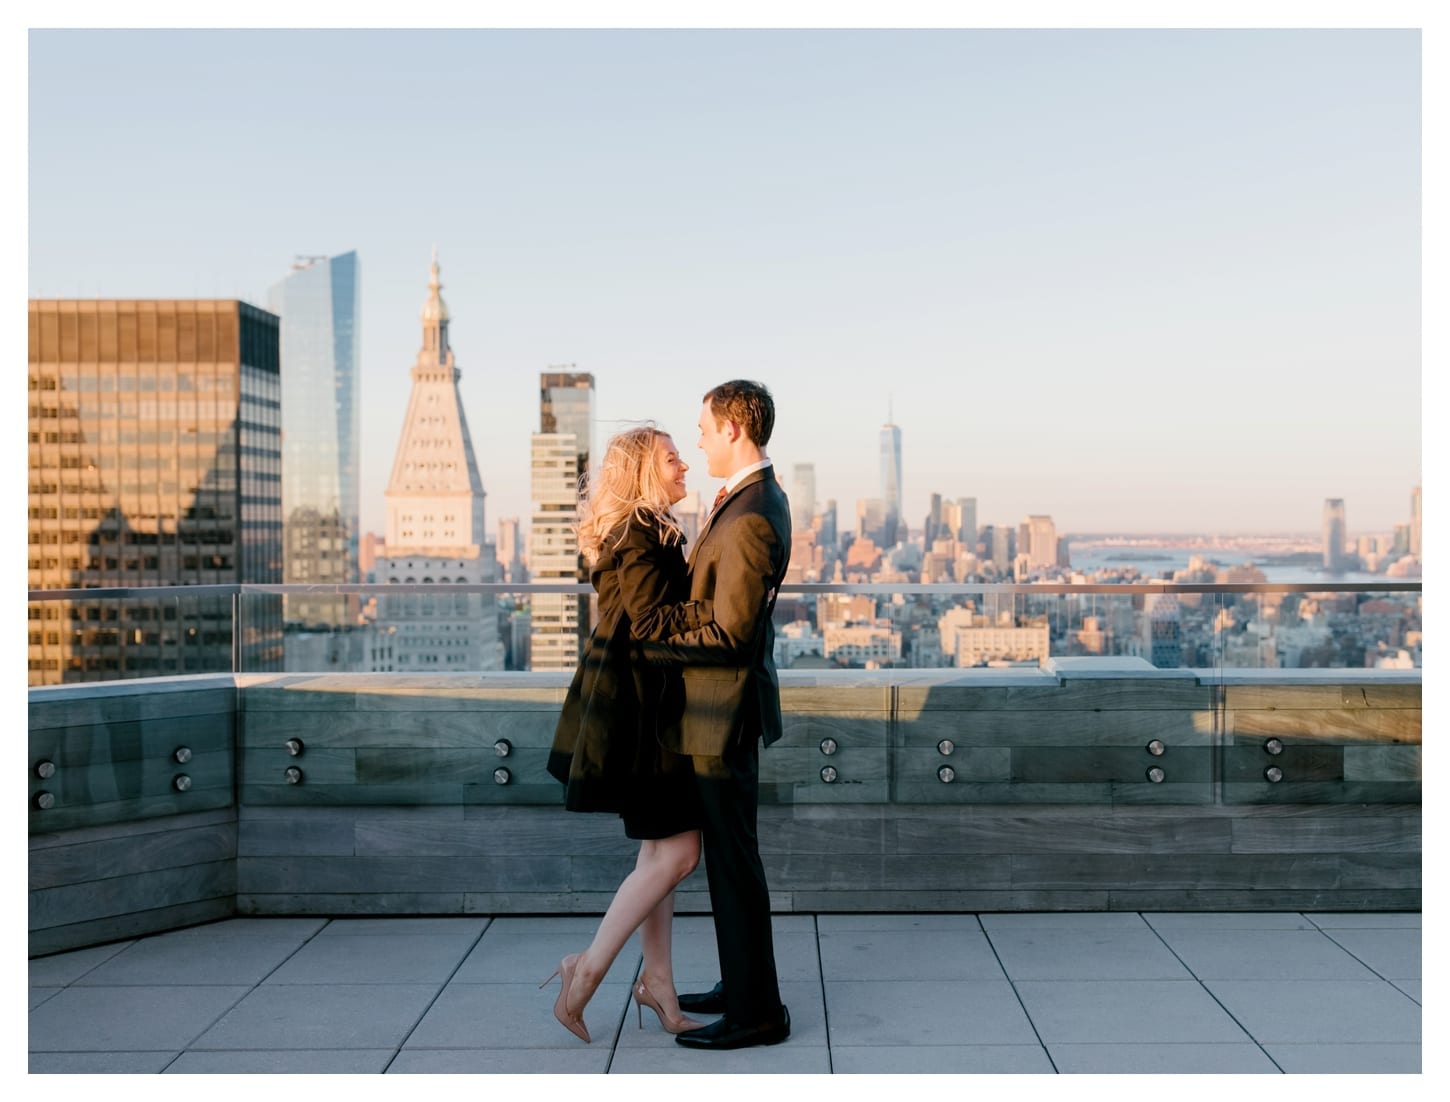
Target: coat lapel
(753, 478)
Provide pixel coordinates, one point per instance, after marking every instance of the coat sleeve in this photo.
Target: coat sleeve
(644, 586)
(743, 588)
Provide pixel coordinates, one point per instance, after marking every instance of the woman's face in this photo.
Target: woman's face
(671, 467)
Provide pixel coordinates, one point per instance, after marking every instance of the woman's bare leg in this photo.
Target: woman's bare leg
(662, 863)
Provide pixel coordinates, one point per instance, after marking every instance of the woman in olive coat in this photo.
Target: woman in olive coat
(607, 749)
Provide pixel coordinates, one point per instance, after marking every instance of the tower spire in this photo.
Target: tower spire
(435, 320)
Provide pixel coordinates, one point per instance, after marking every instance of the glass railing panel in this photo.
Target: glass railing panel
(122, 634)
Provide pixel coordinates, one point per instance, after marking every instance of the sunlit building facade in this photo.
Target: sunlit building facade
(559, 456)
(154, 459)
(436, 528)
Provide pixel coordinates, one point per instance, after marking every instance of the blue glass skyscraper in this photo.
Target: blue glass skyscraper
(891, 480)
(318, 305)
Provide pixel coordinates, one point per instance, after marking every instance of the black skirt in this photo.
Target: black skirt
(663, 800)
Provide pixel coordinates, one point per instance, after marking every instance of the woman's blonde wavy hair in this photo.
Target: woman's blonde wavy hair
(627, 483)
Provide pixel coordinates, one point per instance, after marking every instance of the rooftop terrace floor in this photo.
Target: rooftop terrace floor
(1102, 992)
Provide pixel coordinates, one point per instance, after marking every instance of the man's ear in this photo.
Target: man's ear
(736, 432)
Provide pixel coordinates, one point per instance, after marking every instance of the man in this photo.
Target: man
(732, 698)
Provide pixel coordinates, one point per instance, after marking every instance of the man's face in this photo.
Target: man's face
(715, 443)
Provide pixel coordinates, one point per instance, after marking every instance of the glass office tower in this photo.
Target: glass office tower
(891, 483)
(320, 340)
(154, 459)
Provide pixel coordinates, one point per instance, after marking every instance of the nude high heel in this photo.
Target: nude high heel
(643, 998)
(574, 1023)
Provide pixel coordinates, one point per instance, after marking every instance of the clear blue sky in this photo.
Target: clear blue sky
(1139, 280)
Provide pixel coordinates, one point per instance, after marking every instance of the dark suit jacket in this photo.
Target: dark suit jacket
(617, 703)
(736, 569)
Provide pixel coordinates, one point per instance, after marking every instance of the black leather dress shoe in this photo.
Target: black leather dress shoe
(726, 1034)
(705, 1002)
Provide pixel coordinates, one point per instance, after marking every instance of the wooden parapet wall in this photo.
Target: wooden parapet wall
(1023, 789)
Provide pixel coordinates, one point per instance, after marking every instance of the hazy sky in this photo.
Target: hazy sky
(1139, 280)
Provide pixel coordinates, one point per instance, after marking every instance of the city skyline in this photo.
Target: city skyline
(1093, 279)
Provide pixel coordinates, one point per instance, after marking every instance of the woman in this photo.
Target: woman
(606, 749)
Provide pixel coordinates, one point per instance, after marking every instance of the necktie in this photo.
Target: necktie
(718, 498)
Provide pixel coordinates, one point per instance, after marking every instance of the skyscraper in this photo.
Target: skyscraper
(436, 526)
(1334, 534)
(1041, 542)
(318, 307)
(1415, 523)
(802, 496)
(154, 460)
(891, 481)
(559, 457)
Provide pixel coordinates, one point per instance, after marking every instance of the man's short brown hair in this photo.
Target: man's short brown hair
(746, 403)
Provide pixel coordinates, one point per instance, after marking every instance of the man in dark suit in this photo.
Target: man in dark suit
(732, 700)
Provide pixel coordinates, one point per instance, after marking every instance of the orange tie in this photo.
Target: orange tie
(718, 498)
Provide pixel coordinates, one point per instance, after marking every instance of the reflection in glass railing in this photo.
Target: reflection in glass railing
(114, 634)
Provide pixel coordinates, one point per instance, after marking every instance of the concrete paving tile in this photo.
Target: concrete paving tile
(834, 924)
(524, 957)
(1092, 920)
(513, 1016)
(462, 927)
(223, 960)
(940, 1059)
(1227, 920)
(99, 1063)
(38, 995)
(1183, 1059)
(323, 1016)
(513, 925)
(358, 1061)
(1264, 955)
(804, 1001)
(1337, 1059)
(473, 1061)
(110, 1019)
(696, 960)
(1126, 1012)
(375, 958)
(908, 955)
(789, 1057)
(1368, 920)
(926, 1012)
(1410, 988)
(1394, 954)
(1060, 954)
(1320, 1011)
(279, 927)
(60, 969)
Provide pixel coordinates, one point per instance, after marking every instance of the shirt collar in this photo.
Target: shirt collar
(740, 476)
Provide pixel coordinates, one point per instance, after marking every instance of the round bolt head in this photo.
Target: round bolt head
(1156, 775)
(1273, 746)
(946, 774)
(181, 782)
(182, 755)
(828, 746)
(293, 775)
(502, 776)
(829, 774)
(44, 800)
(945, 747)
(1156, 748)
(45, 770)
(1273, 774)
(294, 746)
(503, 747)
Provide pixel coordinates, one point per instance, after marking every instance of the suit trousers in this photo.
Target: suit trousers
(730, 793)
